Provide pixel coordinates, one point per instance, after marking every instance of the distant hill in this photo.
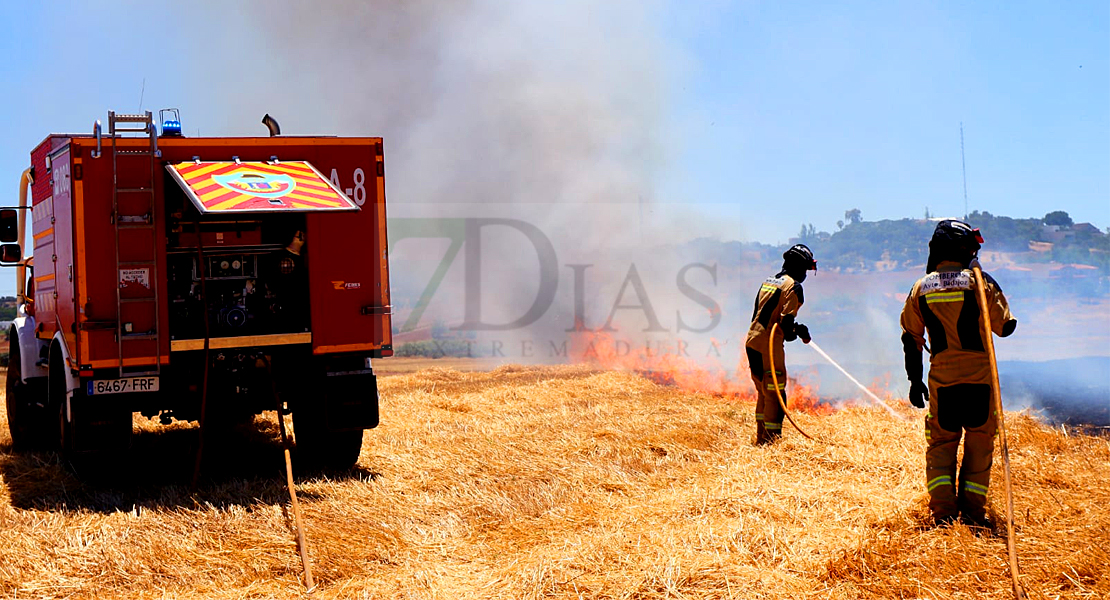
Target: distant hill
(7, 308)
(860, 244)
(886, 245)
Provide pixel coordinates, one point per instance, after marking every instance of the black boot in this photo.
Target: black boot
(978, 521)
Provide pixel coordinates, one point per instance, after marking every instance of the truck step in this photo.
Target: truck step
(135, 300)
(146, 335)
(132, 117)
(135, 190)
(136, 263)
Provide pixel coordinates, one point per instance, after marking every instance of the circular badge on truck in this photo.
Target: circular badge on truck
(261, 185)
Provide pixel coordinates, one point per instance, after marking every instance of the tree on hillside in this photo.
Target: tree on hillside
(853, 216)
(1058, 217)
(1006, 233)
(808, 232)
(905, 243)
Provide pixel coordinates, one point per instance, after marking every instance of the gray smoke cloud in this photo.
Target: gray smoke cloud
(550, 113)
(479, 101)
(555, 114)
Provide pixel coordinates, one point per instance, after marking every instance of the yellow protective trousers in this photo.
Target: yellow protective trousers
(955, 411)
(768, 413)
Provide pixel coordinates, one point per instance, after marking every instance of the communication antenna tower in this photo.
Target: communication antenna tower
(963, 166)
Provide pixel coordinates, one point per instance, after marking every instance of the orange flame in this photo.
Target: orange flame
(667, 363)
(802, 397)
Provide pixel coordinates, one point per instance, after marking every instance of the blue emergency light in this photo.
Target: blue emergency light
(171, 122)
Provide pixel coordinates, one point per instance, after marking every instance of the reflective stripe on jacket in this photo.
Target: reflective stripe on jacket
(944, 305)
(778, 296)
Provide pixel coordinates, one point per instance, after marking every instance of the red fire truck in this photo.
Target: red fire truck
(178, 277)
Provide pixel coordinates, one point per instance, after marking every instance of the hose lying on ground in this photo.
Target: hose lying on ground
(996, 400)
(302, 538)
(775, 379)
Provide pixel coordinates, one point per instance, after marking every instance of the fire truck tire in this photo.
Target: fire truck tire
(57, 397)
(85, 433)
(317, 448)
(29, 420)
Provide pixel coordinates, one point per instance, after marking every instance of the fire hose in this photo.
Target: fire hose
(207, 359)
(775, 380)
(996, 400)
(302, 539)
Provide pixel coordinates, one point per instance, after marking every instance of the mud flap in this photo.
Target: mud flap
(350, 401)
(96, 425)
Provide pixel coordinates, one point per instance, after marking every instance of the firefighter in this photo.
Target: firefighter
(944, 304)
(286, 280)
(778, 301)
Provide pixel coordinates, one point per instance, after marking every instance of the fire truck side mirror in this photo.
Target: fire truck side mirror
(10, 254)
(9, 225)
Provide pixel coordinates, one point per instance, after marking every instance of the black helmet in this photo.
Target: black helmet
(953, 240)
(797, 260)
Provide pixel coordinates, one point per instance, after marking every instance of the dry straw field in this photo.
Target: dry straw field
(555, 482)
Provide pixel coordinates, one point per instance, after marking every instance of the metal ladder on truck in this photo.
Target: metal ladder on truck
(144, 188)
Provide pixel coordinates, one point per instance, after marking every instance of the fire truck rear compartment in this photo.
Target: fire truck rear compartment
(243, 284)
(249, 280)
(243, 281)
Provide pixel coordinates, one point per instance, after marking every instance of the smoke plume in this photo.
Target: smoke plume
(552, 114)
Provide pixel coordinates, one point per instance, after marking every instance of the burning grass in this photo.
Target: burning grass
(558, 482)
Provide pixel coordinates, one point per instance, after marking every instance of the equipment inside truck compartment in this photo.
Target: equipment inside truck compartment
(253, 271)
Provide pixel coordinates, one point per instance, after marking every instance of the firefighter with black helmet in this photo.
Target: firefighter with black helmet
(943, 304)
(778, 301)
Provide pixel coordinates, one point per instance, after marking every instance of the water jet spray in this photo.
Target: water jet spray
(869, 393)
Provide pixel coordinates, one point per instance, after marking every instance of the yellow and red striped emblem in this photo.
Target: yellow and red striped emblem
(258, 187)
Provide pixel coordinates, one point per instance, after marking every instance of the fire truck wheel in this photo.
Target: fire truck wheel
(320, 449)
(28, 419)
(87, 433)
(57, 397)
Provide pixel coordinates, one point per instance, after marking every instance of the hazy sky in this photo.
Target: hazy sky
(766, 115)
(796, 113)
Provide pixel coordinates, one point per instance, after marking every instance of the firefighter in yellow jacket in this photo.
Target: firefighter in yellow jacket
(944, 305)
(778, 301)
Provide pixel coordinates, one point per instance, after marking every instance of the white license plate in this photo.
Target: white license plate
(122, 386)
